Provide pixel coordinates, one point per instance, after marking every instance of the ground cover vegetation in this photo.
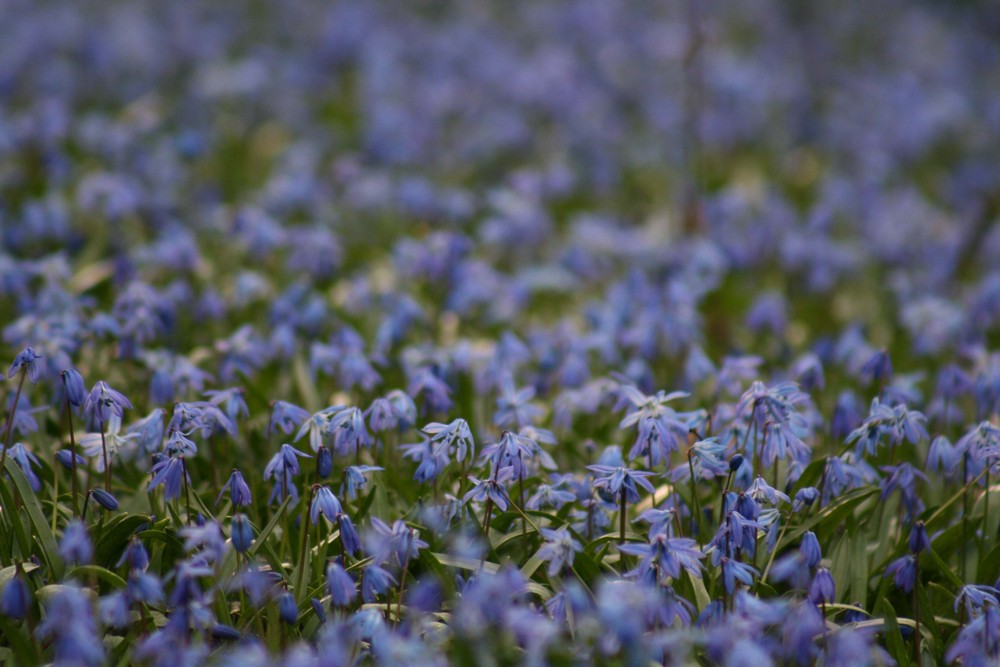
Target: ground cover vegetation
(499, 333)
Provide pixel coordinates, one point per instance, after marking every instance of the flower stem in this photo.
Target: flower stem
(621, 521)
(10, 419)
(107, 464)
(72, 450)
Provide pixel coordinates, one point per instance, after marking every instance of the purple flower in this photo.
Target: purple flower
(75, 391)
(375, 581)
(620, 480)
(822, 589)
(168, 471)
(903, 572)
(102, 402)
(340, 585)
(325, 503)
(491, 488)
(241, 533)
(559, 549)
(239, 491)
(16, 599)
(75, 547)
(25, 360)
(286, 417)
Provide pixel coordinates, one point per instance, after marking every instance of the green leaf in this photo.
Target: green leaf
(115, 538)
(701, 597)
(893, 639)
(42, 530)
(7, 573)
(87, 571)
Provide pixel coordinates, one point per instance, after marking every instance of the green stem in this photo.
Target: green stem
(10, 418)
(72, 450)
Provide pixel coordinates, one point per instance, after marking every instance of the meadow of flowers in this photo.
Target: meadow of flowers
(559, 332)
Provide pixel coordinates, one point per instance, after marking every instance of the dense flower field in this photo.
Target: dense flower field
(559, 332)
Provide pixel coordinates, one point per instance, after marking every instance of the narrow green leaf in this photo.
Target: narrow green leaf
(42, 529)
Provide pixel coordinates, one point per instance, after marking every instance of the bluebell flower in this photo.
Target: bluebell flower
(16, 598)
(846, 415)
(65, 457)
(919, 539)
(104, 499)
(239, 491)
(325, 503)
(324, 462)
(375, 581)
(904, 572)
(903, 477)
(810, 549)
(456, 437)
(135, 555)
(398, 543)
(103, 402)
(147, 433)
(285, 417)
(69, 624)
(282, 467)
(794, 569)
(822, 589)
(233, 401)
(25, 360)
(75, 391)
(144, 587)
(355, 480)
(734, 571)
(492, 488)
(287, 609)
(437, 395)
(620, 480)
(241, 533)
(205, 539)
(27, 462)
(514, 407)
(75, 548)
(348, 535)
(975, 597)
(805, 497)
(113, 610)
(669, 555)
(878, 368)
(318, 610)
(761, 491)
(550, 495)
(169, 472)
(340, 585)
(559, 549)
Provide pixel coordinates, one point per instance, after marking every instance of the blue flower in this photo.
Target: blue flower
(734, 571)
(375, 581)
(355, 480)
(822, 590)
(75, 391)
(621, 481)
(102, 402)
(239, 491)
(491, 488)
(559, 549)
(25, 360)
(75, 547)
(286, 417)
(241, 533)
(325, 503)
(168, 471)
(903, 572)
(16, 599)
(340, 585)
